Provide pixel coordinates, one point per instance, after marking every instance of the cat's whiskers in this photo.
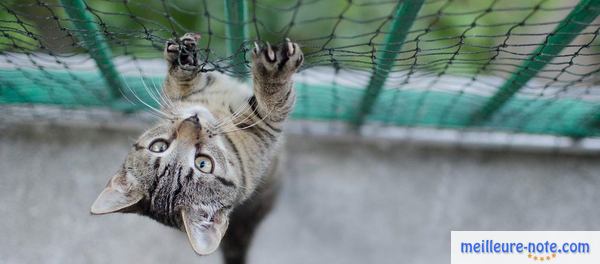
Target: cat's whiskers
(151, 92)
(153, 111)
(240, 111)
(230, 122)
(162, 95)
(225, 121)
(249, 126)
(165, 107)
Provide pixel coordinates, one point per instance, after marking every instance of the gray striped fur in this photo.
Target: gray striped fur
(238, 127)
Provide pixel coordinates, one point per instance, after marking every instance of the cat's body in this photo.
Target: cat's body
(211, 165)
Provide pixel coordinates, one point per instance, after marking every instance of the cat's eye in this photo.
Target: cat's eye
(158, 146)
(204, 164)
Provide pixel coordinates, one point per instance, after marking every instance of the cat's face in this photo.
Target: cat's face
(179, 174)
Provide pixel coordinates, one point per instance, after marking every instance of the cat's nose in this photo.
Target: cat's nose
(193, 119)
(190, 128)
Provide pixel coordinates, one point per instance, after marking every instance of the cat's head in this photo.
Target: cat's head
(181, 175)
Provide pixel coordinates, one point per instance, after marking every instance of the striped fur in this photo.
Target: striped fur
(210, 114)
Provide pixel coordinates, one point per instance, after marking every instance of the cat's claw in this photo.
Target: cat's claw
(183, 52)
(172, 46)
(279, 61)
(270, 52)
(256, 48)
(290, 47)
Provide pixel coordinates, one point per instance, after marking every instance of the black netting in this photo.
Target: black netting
(451, 70)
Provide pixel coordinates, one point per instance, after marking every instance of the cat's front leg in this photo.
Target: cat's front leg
(183, 67)
(272, 71)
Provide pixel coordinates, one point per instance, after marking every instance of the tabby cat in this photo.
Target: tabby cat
(211, 164)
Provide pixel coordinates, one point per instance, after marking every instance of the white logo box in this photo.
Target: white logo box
(516, 247)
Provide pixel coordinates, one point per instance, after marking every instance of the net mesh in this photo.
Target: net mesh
(455, 57)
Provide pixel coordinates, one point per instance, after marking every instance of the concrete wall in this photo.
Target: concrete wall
(343, 201)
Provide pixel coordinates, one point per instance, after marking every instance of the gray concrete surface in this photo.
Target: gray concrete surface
(343, 201)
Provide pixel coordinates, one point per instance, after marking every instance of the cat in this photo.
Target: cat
(210, 166)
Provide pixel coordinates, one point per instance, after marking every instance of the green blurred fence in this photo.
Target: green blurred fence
(524, 66)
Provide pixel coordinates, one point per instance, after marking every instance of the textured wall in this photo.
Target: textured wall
(343, 201)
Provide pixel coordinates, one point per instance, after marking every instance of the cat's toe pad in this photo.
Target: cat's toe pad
(183, 53)
(282, 60)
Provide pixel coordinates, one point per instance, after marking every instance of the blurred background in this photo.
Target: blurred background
(414, 118)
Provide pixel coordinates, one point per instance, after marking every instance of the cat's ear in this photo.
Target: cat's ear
(117, 196)
(204, 236)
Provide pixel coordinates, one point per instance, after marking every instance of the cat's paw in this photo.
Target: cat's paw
(183, 52)
(276, 62)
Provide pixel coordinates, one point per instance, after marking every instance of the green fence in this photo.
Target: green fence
(522, 66)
